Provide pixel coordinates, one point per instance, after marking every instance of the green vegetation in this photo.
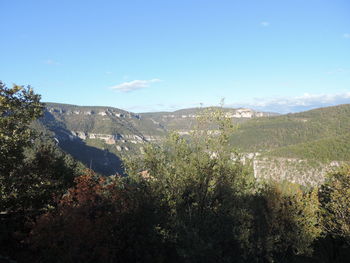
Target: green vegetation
(32, 170)
(317, 136)
(324, 150)
(271, 133)
(303, 145)
(188, 199)
(335, 196)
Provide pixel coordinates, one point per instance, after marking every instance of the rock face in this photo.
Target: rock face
(109, 138)
(246, 113)
(300, 171)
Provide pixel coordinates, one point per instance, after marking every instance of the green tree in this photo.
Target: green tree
(334, 196)
(32, 170)
(217, 211)
(286, 223)
(203, 183)
(19, 106)
(335, 199)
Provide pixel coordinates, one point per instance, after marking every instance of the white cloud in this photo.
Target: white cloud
(264, 23)
(346, 35)
(134, 85)
(51, 62)
(298, 103)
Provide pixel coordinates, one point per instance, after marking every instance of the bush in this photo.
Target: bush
(100, 220)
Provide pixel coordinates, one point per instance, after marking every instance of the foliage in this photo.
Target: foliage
(190, 199)
(335, 199)
(216, 209)
(324, 150)
(286, 223)
(100, 220)
(202, 182)
(19, 106)
(32, 170)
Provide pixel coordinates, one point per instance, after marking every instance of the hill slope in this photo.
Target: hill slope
(299, 147)
(285, 144)
(185, 119)
(265, 134)
(99, 136)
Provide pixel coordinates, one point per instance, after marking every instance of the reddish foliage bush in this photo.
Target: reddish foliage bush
(99, 221)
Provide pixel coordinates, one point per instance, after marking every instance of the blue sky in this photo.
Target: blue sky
(153, 55)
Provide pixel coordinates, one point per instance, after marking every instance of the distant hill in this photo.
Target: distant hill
(265, 134)
(296, 146)
(300, 147)
(324, 150)
(100, 136)
(185, 119)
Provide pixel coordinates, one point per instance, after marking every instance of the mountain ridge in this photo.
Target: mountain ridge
(315, 136)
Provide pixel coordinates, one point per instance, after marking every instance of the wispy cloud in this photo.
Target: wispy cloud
(134, 85)
(298, 103)
(51, 62)
(346, 35)
(337, 70)
(264, 23)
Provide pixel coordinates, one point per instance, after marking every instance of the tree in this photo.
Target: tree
(217, 212)
(19, 106)
(33, 172)
(203, 183)
(334, 197)
(286, 223)
(335, 200)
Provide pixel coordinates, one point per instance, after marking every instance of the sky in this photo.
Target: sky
(163, 55)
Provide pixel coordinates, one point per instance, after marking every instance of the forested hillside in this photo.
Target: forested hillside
(100, 136)
(299, 147)
(328, 149)
(315, 130)
(185, 199)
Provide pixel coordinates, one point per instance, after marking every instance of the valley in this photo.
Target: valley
(298, 147)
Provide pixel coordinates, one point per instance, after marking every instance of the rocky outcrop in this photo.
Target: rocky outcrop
(300, 171)
(109, 138)
(153, 138)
